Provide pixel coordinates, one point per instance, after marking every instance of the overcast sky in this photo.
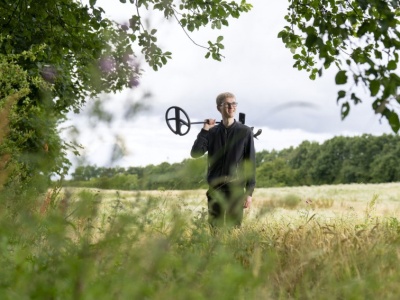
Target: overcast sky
(257, 68)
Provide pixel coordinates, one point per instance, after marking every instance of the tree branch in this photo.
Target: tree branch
(187, 34)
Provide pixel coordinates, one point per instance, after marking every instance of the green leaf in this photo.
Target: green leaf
(364, 28)
(345, 110)
(355, 98)
(374, 86)
(394, 121)
(311, 40)
(134, 23)
(341, 77)
(341, 94)
(392, 65)
(282, 34)
(220, 38)
(221, 11)
(363, 4)
(378, 54)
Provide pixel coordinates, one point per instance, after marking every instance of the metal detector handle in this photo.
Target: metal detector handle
(242, 118)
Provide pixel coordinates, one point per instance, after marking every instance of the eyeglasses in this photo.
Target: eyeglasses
(227, 104)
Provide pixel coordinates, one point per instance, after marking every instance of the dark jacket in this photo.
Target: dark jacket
(231, 154)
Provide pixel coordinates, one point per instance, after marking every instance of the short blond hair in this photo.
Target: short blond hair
(223, 96)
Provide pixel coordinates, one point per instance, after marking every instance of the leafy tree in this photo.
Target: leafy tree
(274, 169)
(275, 173)
(386, 165)
(18, 161)
(360, 37)
(386, 168)
(85, 173)
(329, 162)
(302, 161)
(260, 157)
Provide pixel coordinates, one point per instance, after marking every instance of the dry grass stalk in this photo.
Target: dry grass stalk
(46, 203)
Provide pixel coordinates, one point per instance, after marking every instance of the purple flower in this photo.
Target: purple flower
(127, 58)
(107, 64)
(49, 73)
(133, 82)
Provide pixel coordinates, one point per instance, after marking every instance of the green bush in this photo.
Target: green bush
(290, 201)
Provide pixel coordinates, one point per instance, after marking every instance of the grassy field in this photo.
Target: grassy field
(326, 242)
(327, 202)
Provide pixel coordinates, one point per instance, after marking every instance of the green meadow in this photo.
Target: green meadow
(317, 242)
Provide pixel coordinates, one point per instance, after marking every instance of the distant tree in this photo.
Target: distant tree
(192, 173)
(85, 173)
(360, 37)
(260, 157)
(362, 151)
(330, 160)
(123, 182)
(359, 159)
(135, 171)
(302, 161)
(385, 166)
(274, 169)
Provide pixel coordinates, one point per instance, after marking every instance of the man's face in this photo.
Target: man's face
(228, 108)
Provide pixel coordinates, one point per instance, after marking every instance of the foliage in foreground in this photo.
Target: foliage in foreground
(84, 246)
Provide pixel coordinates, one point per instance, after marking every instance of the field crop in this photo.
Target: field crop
(325, 242)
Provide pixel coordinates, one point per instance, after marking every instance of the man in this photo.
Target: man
(231, 164)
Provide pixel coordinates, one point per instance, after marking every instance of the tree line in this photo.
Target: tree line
(359, 159)
(340, 160)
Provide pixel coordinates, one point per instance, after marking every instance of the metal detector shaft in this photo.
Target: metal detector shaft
(201, 122)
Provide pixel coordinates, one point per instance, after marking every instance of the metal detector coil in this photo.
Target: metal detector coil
(182, 126)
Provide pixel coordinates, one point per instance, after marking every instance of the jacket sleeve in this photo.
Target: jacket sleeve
(250, 163)
(200, 145)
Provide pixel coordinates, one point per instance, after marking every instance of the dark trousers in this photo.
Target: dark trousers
(225, 205)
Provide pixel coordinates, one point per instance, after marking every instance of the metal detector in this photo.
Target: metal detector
(179, 123)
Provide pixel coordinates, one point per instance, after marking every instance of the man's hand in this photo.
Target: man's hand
(247, 203)
(208, 124)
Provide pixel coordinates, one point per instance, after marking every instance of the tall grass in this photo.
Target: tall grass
(103, 245)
